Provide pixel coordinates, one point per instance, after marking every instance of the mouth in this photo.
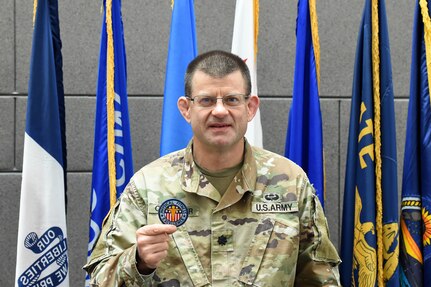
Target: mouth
(219, 126)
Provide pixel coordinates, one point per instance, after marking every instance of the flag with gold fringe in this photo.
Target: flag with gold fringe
(112, 157)
(415, 220)
(370, 236)
(304, 137)
(244, 44)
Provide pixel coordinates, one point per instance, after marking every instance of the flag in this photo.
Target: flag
(415, 221)
(112, 157)
(244, 44)
(304, 137)
(176, 132)
(42, 247)
(369, 243)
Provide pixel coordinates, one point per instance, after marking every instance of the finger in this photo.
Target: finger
(143, 239)
(155, 229)
(152, 260)
(153, 248)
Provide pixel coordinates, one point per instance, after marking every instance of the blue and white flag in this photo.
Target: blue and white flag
(176, 132)
(112, 158)
(42, 245)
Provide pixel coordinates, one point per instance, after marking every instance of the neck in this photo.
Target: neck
(215, 160)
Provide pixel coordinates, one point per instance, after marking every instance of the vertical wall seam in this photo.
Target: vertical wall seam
(14, 139)
(340, 204)
(14, 132)
(14, 46)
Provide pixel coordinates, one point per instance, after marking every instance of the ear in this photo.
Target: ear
(252, 106)
(183, 105)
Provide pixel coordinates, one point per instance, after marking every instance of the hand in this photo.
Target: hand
(152, 246)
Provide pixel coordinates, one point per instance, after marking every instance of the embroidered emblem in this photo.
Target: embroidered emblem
(222, 240)
(173, 211)
(272, 197)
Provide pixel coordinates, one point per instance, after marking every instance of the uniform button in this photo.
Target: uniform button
(222, 240)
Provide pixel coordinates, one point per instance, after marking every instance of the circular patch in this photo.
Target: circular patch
(173, 211)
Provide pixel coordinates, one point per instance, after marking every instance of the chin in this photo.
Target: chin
(224, 142)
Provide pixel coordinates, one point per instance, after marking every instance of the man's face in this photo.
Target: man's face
(220, 126)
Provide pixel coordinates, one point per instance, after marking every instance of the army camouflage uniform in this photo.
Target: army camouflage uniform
(267, 230)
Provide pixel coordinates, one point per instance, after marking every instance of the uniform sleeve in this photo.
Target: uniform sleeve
(318, 259)
(113, 259)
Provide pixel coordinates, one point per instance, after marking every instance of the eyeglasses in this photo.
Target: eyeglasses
(229, 101)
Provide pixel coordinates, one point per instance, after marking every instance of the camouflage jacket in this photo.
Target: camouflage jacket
(267, 230)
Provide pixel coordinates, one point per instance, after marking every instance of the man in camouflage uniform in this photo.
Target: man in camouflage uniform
(254, 218)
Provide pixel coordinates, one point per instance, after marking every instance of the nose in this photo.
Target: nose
(219, 108)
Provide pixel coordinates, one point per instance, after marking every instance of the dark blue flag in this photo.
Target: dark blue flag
(176, 132)
(112, 159)
(415, 221)
(42, 216)
(304, 139)
(370, 237)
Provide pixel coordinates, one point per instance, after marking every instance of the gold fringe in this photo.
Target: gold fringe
(172, 4)
(375, 53)
(316, 47)
(427, 35)
(256, 26)
(315, 37)
(34, 10)
(110, 95)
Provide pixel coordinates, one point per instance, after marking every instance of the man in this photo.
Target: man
(249, 216)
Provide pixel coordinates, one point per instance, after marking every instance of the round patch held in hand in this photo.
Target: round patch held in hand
(173, 211)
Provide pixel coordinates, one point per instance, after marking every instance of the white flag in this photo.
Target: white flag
(243, 45)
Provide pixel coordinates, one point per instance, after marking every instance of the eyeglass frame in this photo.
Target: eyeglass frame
(214, 103)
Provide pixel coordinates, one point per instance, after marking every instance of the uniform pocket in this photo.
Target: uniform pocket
(271, 258)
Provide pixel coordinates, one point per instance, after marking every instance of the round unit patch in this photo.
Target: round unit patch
(173, 211)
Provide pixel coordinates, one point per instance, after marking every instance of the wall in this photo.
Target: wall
(146, 28)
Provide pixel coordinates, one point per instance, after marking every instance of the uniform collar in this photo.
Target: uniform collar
(193, 181)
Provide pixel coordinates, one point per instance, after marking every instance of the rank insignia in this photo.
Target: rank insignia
(173, 211)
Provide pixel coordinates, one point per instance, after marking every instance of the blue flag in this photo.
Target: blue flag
(112, 159)
(42, 247)
(304, 139)
(415, 221)
(176, 132)
(369, 244)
